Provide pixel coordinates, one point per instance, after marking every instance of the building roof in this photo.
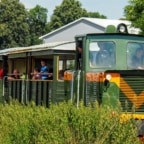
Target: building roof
(96, 21)
(65, 45)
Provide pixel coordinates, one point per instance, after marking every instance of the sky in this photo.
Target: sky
(112, 9)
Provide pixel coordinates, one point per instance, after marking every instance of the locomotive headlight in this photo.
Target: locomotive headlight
(108, 77)
(122, 29)
(107, 81)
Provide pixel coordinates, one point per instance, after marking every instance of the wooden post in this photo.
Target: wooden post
(55, 77)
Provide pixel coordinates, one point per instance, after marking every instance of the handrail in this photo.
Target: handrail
(78, 85)
(42, 73)
(27, 76)
(72, 85)
(3, 89)
(11, 74)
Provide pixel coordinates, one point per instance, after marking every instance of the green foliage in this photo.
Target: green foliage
(71, 65)
(63, 123)
(37, 20)
(14, 30)
(68, 11)
(19, 27)
(135, 13)
(96, 15)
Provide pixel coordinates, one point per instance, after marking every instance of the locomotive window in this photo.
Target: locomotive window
(135, 55)
(102, 54)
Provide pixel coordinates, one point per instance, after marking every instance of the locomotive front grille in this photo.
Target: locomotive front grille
(92, 90)
(132, 93)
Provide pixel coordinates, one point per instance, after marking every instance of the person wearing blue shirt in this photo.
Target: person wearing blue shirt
(44, 70)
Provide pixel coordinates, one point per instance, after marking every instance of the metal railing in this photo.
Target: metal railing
(26, 90)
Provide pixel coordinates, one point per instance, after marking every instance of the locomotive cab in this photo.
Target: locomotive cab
(107, 70)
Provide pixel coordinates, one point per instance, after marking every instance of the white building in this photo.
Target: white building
(83, 26)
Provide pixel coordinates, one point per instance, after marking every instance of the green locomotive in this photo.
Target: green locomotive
(110, 70)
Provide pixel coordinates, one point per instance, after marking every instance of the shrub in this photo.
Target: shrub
(64, 123)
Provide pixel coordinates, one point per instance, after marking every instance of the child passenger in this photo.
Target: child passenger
(61, 75)
(44, 70)
(36, 74)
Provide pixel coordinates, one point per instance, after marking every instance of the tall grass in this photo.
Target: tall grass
(64, 124)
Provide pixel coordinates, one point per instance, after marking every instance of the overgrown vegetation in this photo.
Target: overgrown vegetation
(63, 124)
(135, 13)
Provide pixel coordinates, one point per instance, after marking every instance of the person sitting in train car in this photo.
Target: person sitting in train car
(15, 75)
(50, 74)
(137, 59)
(1, 73)
(36, 74)
(79, 55)
(61, 75)
(44, 70)
(103, 56)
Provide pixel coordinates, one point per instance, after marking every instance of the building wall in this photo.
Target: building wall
(68, 33)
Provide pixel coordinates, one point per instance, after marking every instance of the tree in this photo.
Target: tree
(135, 13)
(96, 15)
(67, 12)
(14, 30)
(37, 21)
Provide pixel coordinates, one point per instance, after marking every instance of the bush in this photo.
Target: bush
(64, 123)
